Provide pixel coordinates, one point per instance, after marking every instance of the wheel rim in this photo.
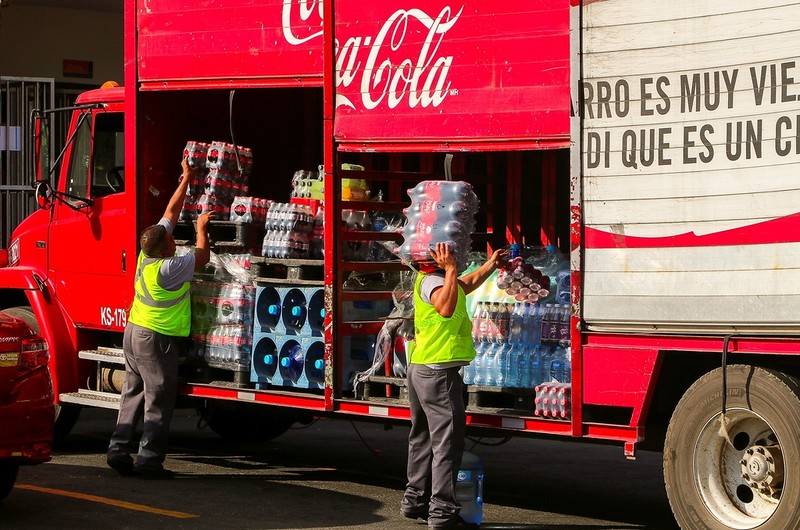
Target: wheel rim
(740, 482)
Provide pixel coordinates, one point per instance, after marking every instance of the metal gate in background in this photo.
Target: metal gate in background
(18, 97)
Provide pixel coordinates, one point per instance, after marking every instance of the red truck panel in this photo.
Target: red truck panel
(256, 39)
(453, 72)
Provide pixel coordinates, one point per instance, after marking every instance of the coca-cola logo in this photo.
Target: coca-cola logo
(393, 65)
(240, 209)
(429, 206)
(386, 66)
(301, 21)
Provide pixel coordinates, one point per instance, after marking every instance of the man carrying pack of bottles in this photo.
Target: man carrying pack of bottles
(443, 344)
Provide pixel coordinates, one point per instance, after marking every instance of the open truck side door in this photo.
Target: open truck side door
(90, 259)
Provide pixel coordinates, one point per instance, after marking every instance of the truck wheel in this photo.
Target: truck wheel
(241, 421)
(66, 415)
(8, 476)
(751, 482)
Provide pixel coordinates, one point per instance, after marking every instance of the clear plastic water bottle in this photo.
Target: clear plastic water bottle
(547, 361)
(515, 358)
(537, 367)
(484, 324)
(476, 322)
(490, 363)
(503, 321)
(468, 371)
(503, 359)
(557, 370)
(535, 315)
(516, 324)
(469, 488)
(524, 367)
(479, 375)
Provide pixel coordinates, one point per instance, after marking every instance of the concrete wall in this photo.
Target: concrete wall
(34, 41)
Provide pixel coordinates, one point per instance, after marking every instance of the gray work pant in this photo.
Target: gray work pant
(435, 442)
(150, 390)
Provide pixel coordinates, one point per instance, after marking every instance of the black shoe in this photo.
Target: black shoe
(422, 513)
(122, 465)
(158, 473)
(456, 522)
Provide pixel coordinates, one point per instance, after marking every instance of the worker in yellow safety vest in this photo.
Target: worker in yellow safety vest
(443, 344)
(158, 324)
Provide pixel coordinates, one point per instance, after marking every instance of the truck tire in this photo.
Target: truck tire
(752, 482)
(8, 476)
(244, 421)
(66, 415)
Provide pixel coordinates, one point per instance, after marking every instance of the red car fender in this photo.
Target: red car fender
(55, 326)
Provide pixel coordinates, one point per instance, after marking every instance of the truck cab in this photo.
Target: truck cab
(69, 264)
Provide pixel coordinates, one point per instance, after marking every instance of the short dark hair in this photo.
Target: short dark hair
(152, 240)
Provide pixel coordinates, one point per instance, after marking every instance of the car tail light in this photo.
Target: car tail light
(32, 355)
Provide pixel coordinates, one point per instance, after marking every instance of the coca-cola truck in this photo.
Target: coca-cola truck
(655, 147)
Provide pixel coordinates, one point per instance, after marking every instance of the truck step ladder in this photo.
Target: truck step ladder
(103, 355)
(91, 398)
(106, 358)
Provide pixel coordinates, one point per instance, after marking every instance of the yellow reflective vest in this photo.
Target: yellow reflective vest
(156, 308)
(439, 339)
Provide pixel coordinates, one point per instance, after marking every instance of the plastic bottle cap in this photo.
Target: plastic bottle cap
(269, 359)
(319, 364)
(273, 309)
(297, 311)
(322, 313)
(285, 362)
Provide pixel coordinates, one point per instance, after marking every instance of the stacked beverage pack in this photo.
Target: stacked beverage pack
(222, 321)
(308, 184)
(289, 227)
(520, 345)
(249, 210)
(441, 211)
(225, 174)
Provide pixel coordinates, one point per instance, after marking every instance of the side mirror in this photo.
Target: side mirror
(44, 196)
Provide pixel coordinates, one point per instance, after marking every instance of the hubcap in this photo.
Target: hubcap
(762, 469)
(740, 482)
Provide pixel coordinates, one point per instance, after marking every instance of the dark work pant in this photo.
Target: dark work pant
(435, 442)
(149, 393)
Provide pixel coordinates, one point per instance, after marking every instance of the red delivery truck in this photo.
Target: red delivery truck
(639, 163)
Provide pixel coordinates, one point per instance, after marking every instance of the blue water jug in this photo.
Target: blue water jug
(469, 488)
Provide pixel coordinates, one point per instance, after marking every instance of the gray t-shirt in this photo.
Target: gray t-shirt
(430, 283)
(177, 270)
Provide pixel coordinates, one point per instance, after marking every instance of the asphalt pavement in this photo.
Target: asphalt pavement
(332, 473)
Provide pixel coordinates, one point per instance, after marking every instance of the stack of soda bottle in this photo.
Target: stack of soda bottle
(249, 210)
(307, 184)
(222, 321)
(225, 174)
(524, 345)
(289, 226)
(441, 211)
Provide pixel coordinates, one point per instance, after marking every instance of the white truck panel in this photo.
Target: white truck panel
(691, 134)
